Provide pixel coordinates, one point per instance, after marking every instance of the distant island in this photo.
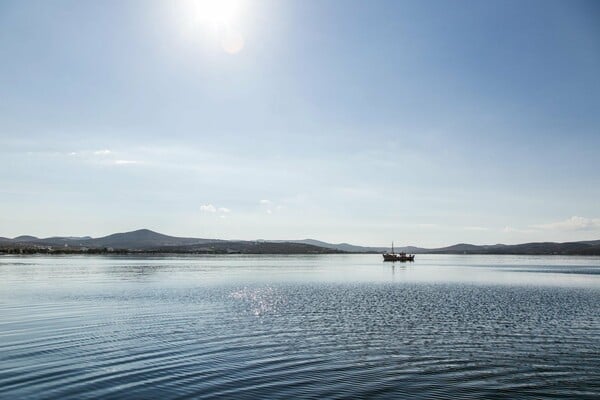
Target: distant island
(147, 241)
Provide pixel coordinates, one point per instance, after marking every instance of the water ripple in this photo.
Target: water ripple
(298, 339)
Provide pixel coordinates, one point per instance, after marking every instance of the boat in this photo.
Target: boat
(402, 256)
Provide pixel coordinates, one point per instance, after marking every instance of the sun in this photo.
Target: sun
(219, 21)
(217, 12)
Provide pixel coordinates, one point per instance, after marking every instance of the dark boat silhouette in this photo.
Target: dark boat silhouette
(392, 256)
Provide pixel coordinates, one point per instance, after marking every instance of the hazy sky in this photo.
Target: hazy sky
(423, 122)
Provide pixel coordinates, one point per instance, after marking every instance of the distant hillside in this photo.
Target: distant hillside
(150, 241)
(250, 247)
(25, 238)
(345, 247)
(537, 248)
(142, 239)
(592, 242)
(136, 240)
(459, 248)
(350, 248)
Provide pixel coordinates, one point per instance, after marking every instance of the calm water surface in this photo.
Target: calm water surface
(338, 326)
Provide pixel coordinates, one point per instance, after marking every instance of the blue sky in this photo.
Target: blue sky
(426, 123)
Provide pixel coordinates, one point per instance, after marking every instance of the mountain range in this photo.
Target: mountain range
(147, 240)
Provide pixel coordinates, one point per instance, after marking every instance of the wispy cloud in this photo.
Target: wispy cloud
(512, 229)
(574, 223)
(125, 162)
(208, 208)
(103, 156)
(269, 206)
(211, 209)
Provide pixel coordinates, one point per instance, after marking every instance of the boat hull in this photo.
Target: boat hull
(398, 257)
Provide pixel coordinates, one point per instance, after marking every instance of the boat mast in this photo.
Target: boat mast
(392, 247)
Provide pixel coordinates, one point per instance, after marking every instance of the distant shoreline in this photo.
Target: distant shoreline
(157, 252)
(145, 241)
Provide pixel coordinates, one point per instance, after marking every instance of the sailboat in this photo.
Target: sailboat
(397, 256)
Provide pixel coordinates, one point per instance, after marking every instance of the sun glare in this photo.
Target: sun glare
(219, 12)
(217, 19)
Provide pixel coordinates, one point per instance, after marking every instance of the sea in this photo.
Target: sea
(299, 327)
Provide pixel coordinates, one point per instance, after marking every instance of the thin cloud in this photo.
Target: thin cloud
(270, 207)
(125, 162)
(574, 223)
(211, 209)
(208, 208)
(103, 156)
(476, 228)
(510, 229)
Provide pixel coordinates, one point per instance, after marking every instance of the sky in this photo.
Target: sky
(427, 123)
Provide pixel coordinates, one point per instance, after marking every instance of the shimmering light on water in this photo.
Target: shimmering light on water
(300, 326)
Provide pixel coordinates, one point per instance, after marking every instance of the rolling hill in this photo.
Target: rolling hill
(147, 240)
